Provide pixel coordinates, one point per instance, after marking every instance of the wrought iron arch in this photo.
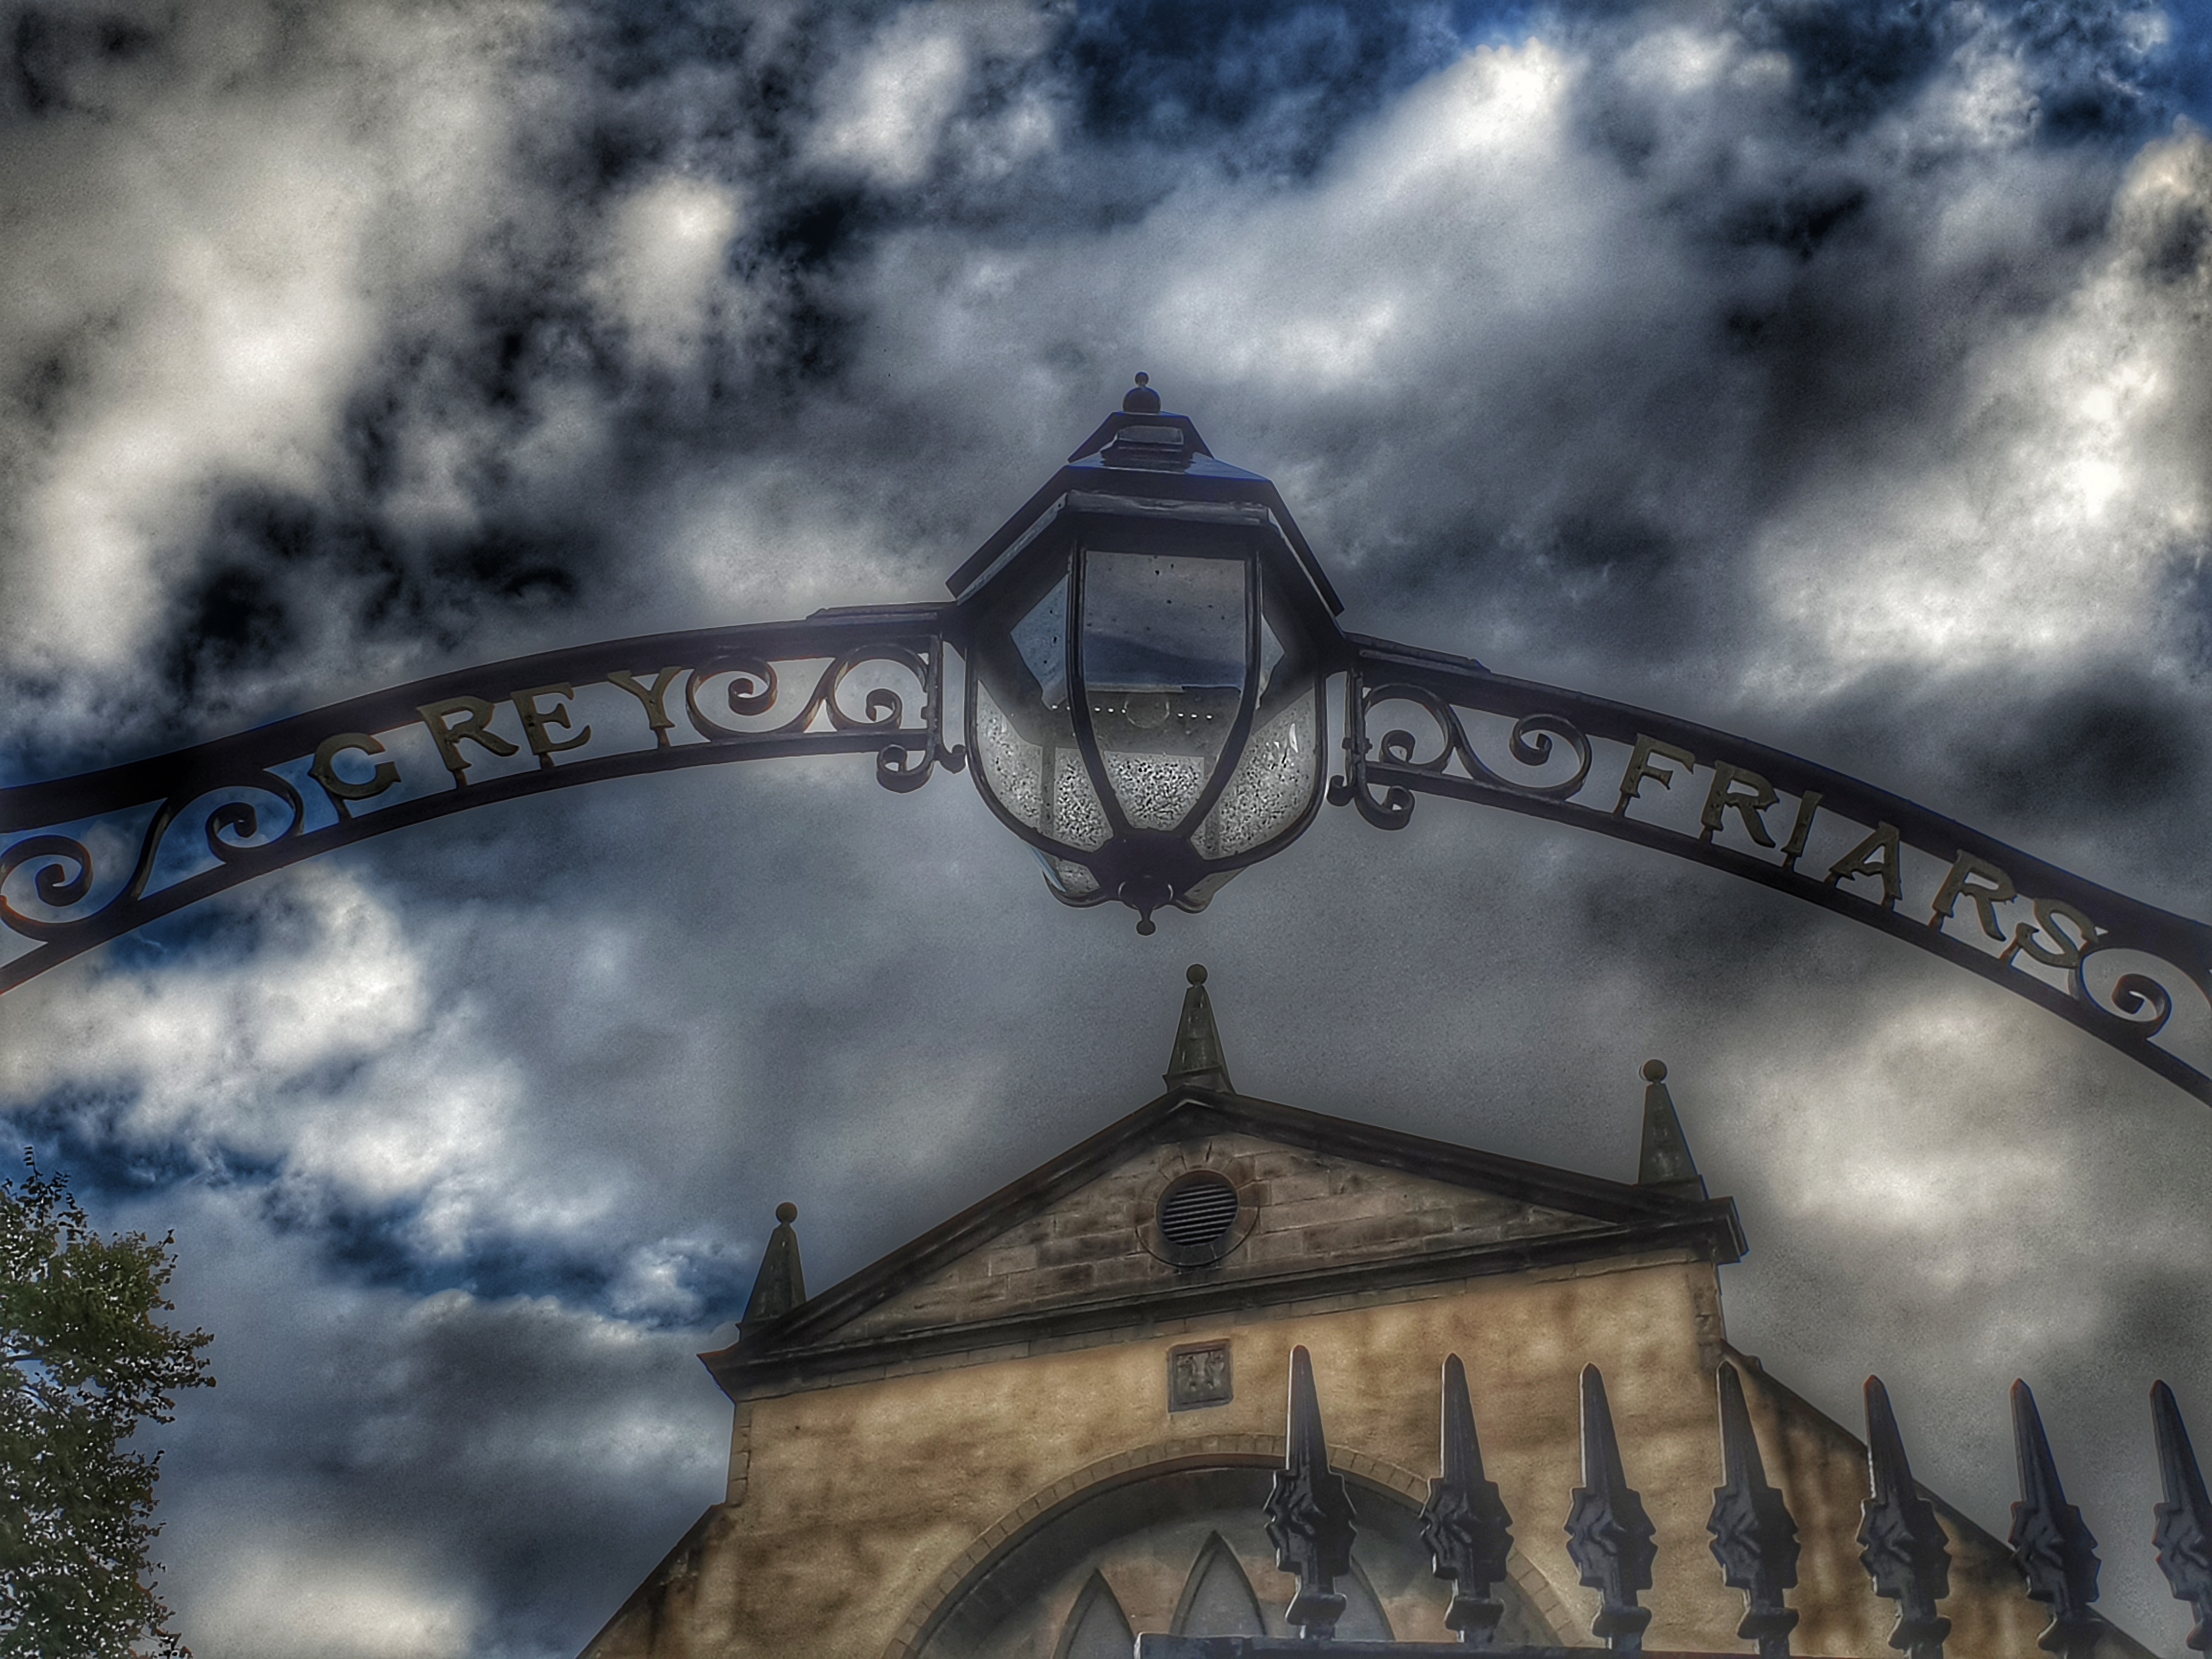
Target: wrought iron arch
(86, 859)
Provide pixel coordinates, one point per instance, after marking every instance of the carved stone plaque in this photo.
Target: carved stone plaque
(1198, 1375)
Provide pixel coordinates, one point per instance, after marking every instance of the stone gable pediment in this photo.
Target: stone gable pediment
(1324, 1206)
(1297, 1211)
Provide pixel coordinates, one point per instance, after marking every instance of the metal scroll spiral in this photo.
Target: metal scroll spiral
(2138, 1003)
(754, 688)
(752, 692)
(66, 866)
(64, 879)
(1532, 744)
(234, 830)
(1390, 811)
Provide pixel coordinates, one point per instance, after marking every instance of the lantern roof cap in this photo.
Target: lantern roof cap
(1128, 430)
(1153, 458)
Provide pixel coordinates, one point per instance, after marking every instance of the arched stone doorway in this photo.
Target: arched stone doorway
(1182, 1548)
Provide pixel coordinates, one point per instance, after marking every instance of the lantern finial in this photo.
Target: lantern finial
(1140, 399)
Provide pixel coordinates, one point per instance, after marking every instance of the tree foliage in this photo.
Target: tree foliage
(83, 1362)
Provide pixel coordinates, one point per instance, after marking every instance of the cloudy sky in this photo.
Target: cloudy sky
(1836, 373)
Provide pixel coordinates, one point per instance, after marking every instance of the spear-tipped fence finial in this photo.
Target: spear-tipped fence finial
(1901, 1542)
(1755, 1536)
(1609, 1533)
(1468, 1533)
(2184, 1529)
(2055, 1549)
(1309, 1512)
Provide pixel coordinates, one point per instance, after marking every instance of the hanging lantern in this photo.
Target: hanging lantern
(1147, 641)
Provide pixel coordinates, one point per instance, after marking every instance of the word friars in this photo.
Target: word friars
(2061, 935)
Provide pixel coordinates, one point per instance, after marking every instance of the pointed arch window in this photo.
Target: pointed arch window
(1218, 1598)
(1096, 1627)
(1364, 1620)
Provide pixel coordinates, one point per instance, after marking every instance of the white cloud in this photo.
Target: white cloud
(210, 271)
(329, 1052)
(1469, 212)
(662, 273)
(2041, 526)
(274, 1597)
(889, 111)
(890, 114)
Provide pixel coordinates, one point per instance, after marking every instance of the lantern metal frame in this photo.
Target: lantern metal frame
(1146, 484)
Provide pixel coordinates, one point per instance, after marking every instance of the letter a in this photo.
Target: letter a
(1877, 855)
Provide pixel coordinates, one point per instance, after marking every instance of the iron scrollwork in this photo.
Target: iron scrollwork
(1785, 823)
(1532, 743)
(63, 868)
(756, 687)
(94, 856)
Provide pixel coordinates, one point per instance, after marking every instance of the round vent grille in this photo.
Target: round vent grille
(1197, 1211)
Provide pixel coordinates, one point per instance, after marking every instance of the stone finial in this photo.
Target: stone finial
(1309, 1513)
(1140, 399)
(1610, 1535)
(1755, 1536)
(780, 1284)
(2055, 1549)
(1665, 1162)
(1901, 1542)
(2184, 1530)
(1197, 1060)
(1465, 1523)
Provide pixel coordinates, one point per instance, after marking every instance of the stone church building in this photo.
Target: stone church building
(1048, 1425)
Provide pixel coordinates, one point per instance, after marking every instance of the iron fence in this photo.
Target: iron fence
(1611, 1539)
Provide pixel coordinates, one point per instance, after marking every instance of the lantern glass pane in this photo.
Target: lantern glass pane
(1163, 671)
(1271, 659)
(1070, 880)
(1043, 786)
(1041, 639)
(1273, 782)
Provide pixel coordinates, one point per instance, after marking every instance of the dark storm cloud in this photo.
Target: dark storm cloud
(1262, 87)
(1830, 372)
(2115, 750)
